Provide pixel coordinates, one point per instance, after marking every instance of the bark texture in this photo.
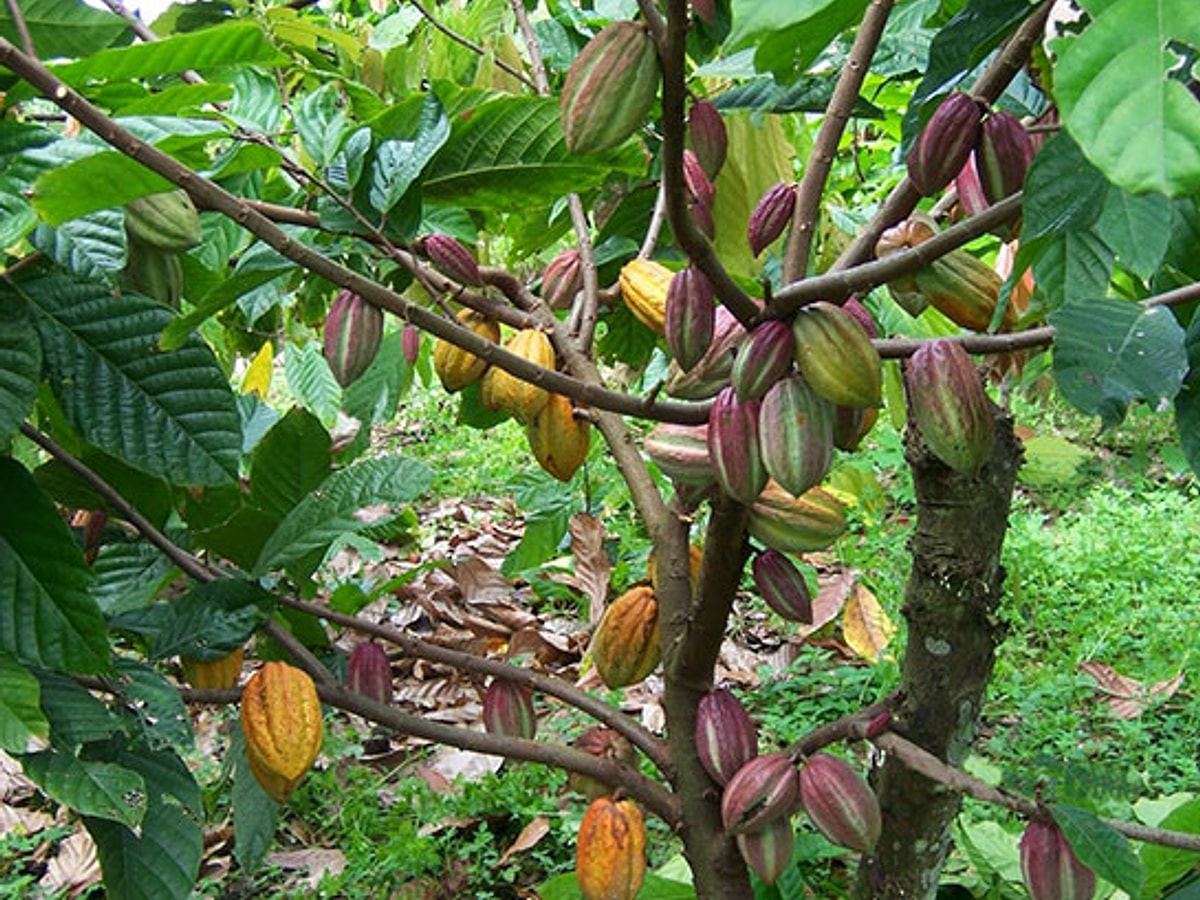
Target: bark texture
(953, 590)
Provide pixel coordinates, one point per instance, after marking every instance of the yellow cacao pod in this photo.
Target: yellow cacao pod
(625, 647)
(558, 439)
(504, 391)
(644, 284)
(213, 674)
(455, 367)
(610, 853)
(281, 720)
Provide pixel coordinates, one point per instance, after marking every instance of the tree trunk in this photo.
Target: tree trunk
(950, 602)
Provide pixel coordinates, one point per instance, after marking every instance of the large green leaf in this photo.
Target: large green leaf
(788, 34)
(211, 621)
(92, 247)
(399, 163)
(289, 463)
(63, 28)
(23, 725)
(255, 812)
(128, 576)
(1166, 865)
(332, 510)
(374, 396)
(1101, 848)
(47, 617)
(1137, 228)
(1122, 91)
(20, 366)
(18, 171)
(157, 702)
(89, 787)
(75, 716)
(311, 381)
(171, 414)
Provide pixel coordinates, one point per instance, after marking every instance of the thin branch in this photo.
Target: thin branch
(980, 344)
(18, 17)
(145, 33)
(471, 45)
(654, 228)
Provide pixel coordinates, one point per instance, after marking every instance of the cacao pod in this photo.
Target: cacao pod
(768, 851)
(1003, 156)
(450, 258)
(949, 406)
(410, 343)
(1050, 868)
(563, 279)
(606, 744)
(726, 737)
(689, 317)
(281, 721)
(795, 435)
(213, 674)
(644, 285)
(697, 181)
(610, 88)
(455, 367)
(763, 359)
(166, 221)
(851, 425)
(706, 11)
(942, 147)
(967, 184)
(558, 438)
(701, 214)
(681, 453)
(695, 561)
(733, 446)
(771, 216)
(840, 803)
(508, 709)
(812, 521)
(610, 854)
(369, 672)
(711, 374)
(156, 273)
(764, 789)
(625, 647)
(854, 309)
(353, 333)
(504, 391)
(783, 586)
(836, 357)
(710, 139)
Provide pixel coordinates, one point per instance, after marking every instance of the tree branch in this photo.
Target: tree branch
(470, 45)
(18, 17)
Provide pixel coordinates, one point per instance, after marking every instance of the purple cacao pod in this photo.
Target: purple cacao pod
(768, 851)
(782, 586)
(763, 359)
(681, 453)
(508, 709)
(852, 424)
(369, 672)
(711, 374)
(563, 279)
(726, 737)
(710, 139)
(942, 147)
(854, 309)
(410, 343)
(690, 317)
(840, 803)
(451, 258)
(763, 790)
(603, 743)
(353, 332)
(1050, 868)
(733, 446)
(1003, 156)
(706, 11)
(971, 198)
(702, 218)
(947, 403)
(696, 179)
(795, 435)
(770, 216)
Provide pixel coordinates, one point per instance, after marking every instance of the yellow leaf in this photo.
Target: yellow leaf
(258, 375)
(865, 626)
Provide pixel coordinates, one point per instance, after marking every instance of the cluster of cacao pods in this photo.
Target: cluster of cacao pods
(1050, 868)
(158, 228)
(281, 722)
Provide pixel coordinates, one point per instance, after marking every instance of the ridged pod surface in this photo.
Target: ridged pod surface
(410, 343)
(708, 376)
(610, 852)
(949, 406)
(504, 391)
(604, 743)
(644, 285)
(768, 851)
(1003, 156)
(508, 709)
(563, 279)
(681, 453)
(734, 448)
(689, 317)
(451, 258)
(352, 335)
(558, 438)
(610, 88)
(456, 368)
(795, 434)
(836, 357)
(766, 788)
(699, 186)
(625, 647)
(709, 137)
(840, 803)
(812, 521)
(726, 736)
(782, 586)
(770, 216)
(1050, 868)
(213, 674)
(942, 147)
(281, 721)
(763, 359)
(167, 221)
(851, 425)
(369, 672)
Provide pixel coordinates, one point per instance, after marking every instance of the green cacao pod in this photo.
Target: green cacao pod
(156, 273)
(625, 647)
(681, 453)
(504, 391)
(455, 367)
(836, 357)
(558, 438)
(168, 221)
(610, 88)
(812, 521)
(949, 406)
(281, 721)
(795, 434)
(353, 333)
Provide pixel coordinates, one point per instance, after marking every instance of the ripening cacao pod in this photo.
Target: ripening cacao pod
(563, 279)
(949, 406)
(768, 851)
(783, 586)
(610, 853)
(840, 803)
(508, 709)
(734, 447)
(1003, 156)
(156, 273)
(726, 736)
(558, 438)
(450, 258)
(696, 179)
(281, 721)
(771, 216)
(851, 425)
(709, 137)
(505, 391)
(854, 309)
(763, 359)
(836, 357)
(795, 435)
(764, 789)
(706, 11)
(369, 672)
(410, 343)
(610, 88)
(353, 333)
(708, 376)
(213, 674)
(689, 317)
(604, 743)
(812, 521)
(625, 647)
(967, 184)
(166, 221)
(681, 453)
(942, 147)
(455, 367)
(644, 285)
(1050, 868)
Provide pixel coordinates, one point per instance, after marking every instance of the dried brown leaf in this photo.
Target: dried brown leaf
(1128, 698)
(865, 626)
(529, 837)
(833, 591)
(74, 867)
(592, 569)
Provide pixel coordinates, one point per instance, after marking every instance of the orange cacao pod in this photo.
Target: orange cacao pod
(625, 647)
(644, 285)
(281, 720)
(213, 674)
(455, 367)
(610, 855)
(558, 439)
(505, 391)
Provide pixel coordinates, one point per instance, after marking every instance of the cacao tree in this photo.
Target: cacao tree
(695, 229)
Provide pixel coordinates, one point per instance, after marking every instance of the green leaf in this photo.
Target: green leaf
(1137, 228)
(321, 123)
(1063, 191)
(789, 34)
(89, 787)
(255, 812)
(374, 396)
(20, 366)
(1108, 353)
(23, 725)
(63, 28)
(1187, 401)
(399, 163)
(311, 381)
(156, 701)
(92, 247)
(1101, 848)
(289, 463)
(212, 620)
(331, 510)
(224, 295)
(1122, 92)
(1166, 865)
(539, 542)
(46, 616)
(171, 414)
(75, 716)
(150, 496)
(1070, 267)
